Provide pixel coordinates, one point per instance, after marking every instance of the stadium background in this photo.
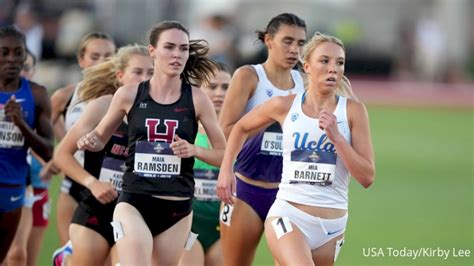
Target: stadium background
(411, 62)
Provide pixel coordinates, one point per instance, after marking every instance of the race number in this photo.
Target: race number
(192, 237)
(226, 214)
(282, 226)
(118, 230)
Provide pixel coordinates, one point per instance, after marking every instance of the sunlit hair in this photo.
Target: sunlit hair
(199, 69)
(81, 51)
(102, 79)
(344, 88)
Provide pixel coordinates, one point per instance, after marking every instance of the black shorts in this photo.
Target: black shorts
(159, 214)
(96, 216)
(72, 188)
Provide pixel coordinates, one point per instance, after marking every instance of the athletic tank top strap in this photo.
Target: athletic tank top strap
(66, 107)
(75, 109)
(265, 89)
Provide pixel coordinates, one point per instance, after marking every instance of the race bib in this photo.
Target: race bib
(205, 184)
(11, 136)
(112, 171)
(156, 160)
(272, 143)
(313, 167)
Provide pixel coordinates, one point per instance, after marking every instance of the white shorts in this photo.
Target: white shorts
(317, 231)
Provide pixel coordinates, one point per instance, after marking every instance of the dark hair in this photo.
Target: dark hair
(10, 31)
(222, 67)
(28, 52)
(81, 50)
(198, 69)
(275, 23)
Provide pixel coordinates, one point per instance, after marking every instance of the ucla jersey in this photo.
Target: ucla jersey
(13, 148)
(313, 174)
(260, 157)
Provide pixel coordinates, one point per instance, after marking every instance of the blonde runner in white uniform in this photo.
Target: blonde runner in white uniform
(312, 175)
(312, 172)
(325, 137)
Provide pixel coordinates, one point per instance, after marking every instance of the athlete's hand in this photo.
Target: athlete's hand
(104, 192)
(328, 123)
(182, 148)
(226, 184)
(48, 170)
(12, 111)
(91, 142)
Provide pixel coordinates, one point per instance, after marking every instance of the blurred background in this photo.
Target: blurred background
(410, 61)
(407, 40)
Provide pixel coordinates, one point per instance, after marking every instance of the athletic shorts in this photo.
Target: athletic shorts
(72, 188)
(258, 198)
(317, 231)
(95, 216)
(11, 197)
(41, 208)
(206, 222)
(159, 214)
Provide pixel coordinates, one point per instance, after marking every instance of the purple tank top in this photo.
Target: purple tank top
(260, 158)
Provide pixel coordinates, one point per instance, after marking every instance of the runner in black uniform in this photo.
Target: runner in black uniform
(94, 48)
(152, 219)
(91, 233)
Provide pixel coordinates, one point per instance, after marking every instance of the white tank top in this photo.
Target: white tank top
(313, 174)
(74, 111)
(265, 89)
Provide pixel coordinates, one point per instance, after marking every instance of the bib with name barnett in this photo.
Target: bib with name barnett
(313, 167)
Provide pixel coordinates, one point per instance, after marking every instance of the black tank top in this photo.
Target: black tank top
(115, 148)
(152, 167)
(114, 152)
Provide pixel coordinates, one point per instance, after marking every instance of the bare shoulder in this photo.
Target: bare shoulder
(127, 91)
(101, 101)
(40, 93)
(246, 72)
(281, 103)
(35, 87)
(199, 98)
(355, 109)
(63, 94)
(99, 106)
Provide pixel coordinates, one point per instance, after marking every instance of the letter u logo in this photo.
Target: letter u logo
(152, 129)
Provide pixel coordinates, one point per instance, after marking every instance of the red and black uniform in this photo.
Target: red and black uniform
(152, 167)
(107, 165)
